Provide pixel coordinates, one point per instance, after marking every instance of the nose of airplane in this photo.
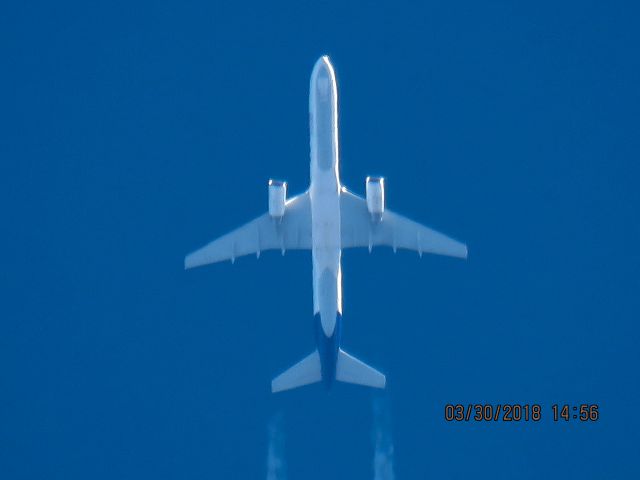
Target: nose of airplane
(323, 75)
(323, 62)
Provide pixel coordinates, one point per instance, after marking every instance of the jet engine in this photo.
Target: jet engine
(277, 198)
(375, 197)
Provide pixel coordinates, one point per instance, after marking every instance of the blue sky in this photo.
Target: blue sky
(132, 134)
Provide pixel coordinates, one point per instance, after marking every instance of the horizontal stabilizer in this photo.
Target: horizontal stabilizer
(351, 370)
(304, 372)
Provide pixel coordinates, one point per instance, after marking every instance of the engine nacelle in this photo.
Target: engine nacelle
(375, 196)
(277, 198)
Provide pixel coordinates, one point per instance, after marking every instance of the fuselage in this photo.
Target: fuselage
(325, 215)
(313, 220)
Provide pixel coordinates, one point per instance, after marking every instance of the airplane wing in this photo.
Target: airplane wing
(393, 230)
(292, 232)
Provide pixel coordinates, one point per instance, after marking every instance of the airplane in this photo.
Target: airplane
(326, 219)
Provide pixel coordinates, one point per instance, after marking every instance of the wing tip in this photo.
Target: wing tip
(191, 261)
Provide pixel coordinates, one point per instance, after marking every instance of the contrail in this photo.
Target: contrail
(276, 468)
(382, 440)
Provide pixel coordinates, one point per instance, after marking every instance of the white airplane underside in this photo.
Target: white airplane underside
(326, 219)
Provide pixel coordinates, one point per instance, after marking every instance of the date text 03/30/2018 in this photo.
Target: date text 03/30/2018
(516, 412)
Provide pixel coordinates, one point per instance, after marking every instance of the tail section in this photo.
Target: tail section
(348, 369)
(351, 370)
(306, 371)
